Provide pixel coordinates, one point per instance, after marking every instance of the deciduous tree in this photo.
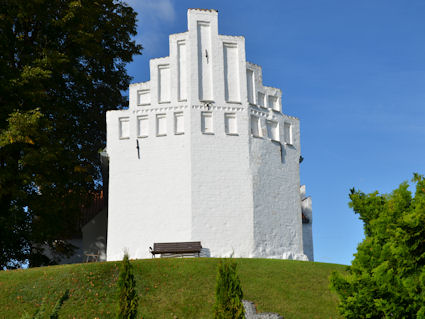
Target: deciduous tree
(387, 276)
(62, 66)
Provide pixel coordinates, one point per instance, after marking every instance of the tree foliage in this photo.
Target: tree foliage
(387, 276)
(62, 66)
(228, 292)
(128, 299)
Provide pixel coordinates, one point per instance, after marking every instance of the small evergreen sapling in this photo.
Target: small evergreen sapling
(128, 299)
(40, 313)
(58, 305)
(228, 292)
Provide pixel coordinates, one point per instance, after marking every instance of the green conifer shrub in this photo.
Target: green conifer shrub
(40, 313)
(128, 299)
(228, 292)
(58, 305)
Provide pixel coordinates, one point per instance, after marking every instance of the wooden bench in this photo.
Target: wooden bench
(193, 247)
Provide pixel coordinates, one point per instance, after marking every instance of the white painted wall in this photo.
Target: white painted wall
(149, 197)
(232, 192)
(277, 206)
(222, 214)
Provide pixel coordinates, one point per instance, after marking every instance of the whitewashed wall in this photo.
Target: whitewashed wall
(222, 206)
(277, 210)
(149, 197)
(204, 181)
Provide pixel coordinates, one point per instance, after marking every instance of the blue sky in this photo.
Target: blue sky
(353, 72)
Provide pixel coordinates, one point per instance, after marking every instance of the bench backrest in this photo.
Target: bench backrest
(193, 246)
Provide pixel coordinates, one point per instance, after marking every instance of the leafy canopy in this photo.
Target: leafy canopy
(387, 276)
(62, 66)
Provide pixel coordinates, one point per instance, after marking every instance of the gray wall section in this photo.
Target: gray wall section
(306, 205)
(77, 257)
(95, 234)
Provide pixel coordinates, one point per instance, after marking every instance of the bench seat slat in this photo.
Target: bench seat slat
(176, 247)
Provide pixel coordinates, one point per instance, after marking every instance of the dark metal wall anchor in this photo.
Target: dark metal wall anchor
(138, 148)
(281, 152)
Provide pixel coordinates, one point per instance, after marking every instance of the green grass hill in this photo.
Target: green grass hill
(171, 288)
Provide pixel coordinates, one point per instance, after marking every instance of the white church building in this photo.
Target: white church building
(204, 153)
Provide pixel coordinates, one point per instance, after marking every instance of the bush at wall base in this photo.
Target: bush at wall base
(228, 292)
(128, 299)
(41, 312)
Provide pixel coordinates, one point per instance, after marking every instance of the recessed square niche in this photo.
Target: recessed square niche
(273, 130)
(260, 99)
(273, 102)
(230, 124)
(161, 125)
(250, 86)
(255, 126)
(124, 127)
(287, 131)
(143, 126)
(178, 123)
(143, 97)
(207, 123)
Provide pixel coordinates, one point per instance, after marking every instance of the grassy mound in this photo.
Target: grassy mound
(171, 288)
